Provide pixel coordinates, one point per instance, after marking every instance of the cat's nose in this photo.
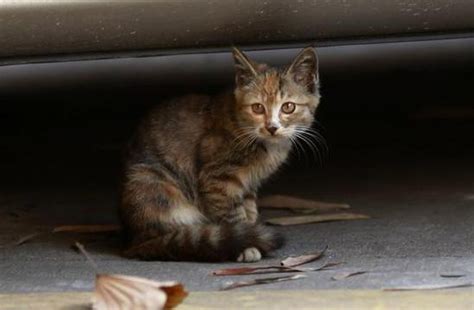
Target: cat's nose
(272, 129)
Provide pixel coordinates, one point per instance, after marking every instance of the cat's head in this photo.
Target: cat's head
(276, 104)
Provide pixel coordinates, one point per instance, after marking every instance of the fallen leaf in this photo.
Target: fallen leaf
(452, 275)
(286, 265)
(27, 238)
(260, 281)
(307, 219)
(21, 240)
(87, 228)
(270, 269)
(250, 270)
(294, 261)
(114, 291)
(346, 275)
(429, 287)
(289, 202)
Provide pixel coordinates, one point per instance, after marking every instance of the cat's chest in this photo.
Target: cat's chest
(263, 165)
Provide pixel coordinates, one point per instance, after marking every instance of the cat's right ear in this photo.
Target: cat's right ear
(244, 69)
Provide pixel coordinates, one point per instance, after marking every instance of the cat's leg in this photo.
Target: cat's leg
(250, 206)
(224, 200)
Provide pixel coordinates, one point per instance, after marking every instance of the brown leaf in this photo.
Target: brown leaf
(289, 202)
(346, 275)
(270, 269)
(260, 281)
(87, 228)
(113, 291)
(307, 219)
(287, 265)
(429, 287)
(294, 261)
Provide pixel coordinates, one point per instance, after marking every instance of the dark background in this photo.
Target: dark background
(383, 105)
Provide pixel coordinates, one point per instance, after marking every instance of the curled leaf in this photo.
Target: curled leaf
(294, 261)
(260, 281)
(113, 291)
(286, 265)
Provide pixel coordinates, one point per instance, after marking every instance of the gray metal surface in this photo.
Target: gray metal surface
(60, 28)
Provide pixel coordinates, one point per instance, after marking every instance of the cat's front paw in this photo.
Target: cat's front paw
(249, 255)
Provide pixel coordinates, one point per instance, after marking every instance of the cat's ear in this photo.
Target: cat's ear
(304, 69)
(245, 69)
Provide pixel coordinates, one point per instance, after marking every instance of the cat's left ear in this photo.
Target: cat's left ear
(304, 69)
(245, 70)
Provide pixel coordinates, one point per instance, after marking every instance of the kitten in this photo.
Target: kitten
(195, 164)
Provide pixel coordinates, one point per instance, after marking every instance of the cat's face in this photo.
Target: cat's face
(276, 105)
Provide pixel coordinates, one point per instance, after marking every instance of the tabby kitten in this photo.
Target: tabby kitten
(195, 164)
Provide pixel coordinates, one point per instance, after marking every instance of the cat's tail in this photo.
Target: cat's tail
(208, 242)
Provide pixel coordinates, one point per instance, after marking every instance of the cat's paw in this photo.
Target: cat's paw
(250, 255)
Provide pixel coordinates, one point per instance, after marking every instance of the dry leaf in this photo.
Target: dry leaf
(27, 238)
(289, 202)
(250, 270)
(262, 281)
(87, 228)
(287, 265)
(452, 275)
(270, 269)
(294, 261)
(113, 291)
(429, 287)
(307, 219)
(21, 240)
(346, 275)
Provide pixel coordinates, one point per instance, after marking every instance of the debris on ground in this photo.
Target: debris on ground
(260, 281)
(289, 202)
(452, 275)
(94, 228)
(307, 219)
(286, 265)
(430, 287)
(346, 275)
(116, 291)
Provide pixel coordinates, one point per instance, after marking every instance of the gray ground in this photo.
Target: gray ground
(421, 227)
(394, 155)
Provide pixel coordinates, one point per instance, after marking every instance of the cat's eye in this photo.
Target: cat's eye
(288, 107)
(258, 108)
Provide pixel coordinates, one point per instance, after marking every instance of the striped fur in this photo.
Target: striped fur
(195, 164)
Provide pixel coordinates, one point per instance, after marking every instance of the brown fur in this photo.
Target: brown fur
(195, 164)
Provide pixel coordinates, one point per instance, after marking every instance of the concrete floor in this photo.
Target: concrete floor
(399, 160)
(422, 210)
